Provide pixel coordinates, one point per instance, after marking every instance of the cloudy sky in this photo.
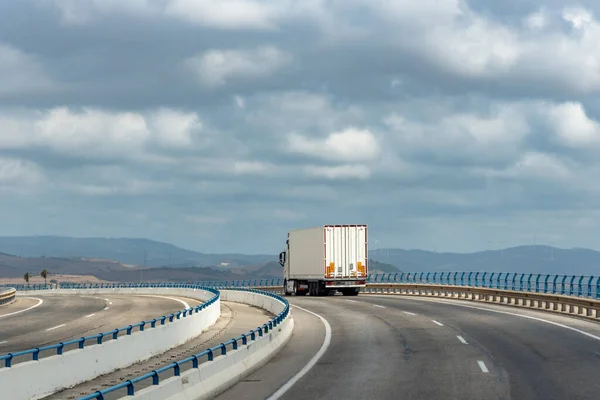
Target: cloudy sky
(219, 125)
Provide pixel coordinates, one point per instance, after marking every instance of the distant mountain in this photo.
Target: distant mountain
(127, 251)
(526, 259)
(376, 267)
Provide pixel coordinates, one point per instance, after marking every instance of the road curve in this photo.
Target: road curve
(41, 320)
(390, 347)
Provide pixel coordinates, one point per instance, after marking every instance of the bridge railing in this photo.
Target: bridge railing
(569, 285)
(99, 338)
(208, 355)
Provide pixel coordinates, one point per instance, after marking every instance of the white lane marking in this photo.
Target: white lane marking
(91, 315)
(107, 300)
(105, 308)
(40, 301)
(435, 322)
(110, 302)
(483, 367)
(55, 327)
(186, 305)
(288, 385)
(409, 313)
(353, 301)
(462, 339)
(590, 335)
(377, 305)
(4, 341)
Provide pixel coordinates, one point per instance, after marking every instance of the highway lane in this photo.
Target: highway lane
(235, 320)
(62, 318)
(389, 347)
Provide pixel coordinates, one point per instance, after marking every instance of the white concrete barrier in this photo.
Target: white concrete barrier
(214, 377)
(37, 379)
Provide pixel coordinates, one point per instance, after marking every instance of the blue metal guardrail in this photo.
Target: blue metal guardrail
(8, 358)
(194, 360)
(570, 285)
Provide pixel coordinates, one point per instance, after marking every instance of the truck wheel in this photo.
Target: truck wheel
(285, 291)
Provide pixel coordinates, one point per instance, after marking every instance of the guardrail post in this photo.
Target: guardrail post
(389, 277)
(477, 278)
(435, 277)
(491, 285)
(401, 277)
(598, 289)
(469, 278)
(580, 287)
(537, 283)
(514, 282)
(421, 277)
(571, 284)
(395, 277)
(589, 286)
(427, 277)
(506, 281)
(462, 279)
(454, 278)
(562, 285)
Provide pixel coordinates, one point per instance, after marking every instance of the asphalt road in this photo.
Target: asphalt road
(43, 320)
(392, 347)
(235, 319)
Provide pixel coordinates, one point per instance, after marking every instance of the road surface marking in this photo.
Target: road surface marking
(377, 305)
(354, 301)
(105, 308)
(91, 315)
(483, 367)
(55, 327)
(4, 341)
(409, 313)
(590, 335)
(186, 305)
(435, 322)
(462, 339)
(107, 300)
(288, 385)
(40, 301)
(110, 302)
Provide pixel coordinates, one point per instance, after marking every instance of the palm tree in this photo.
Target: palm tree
(44, 274)
(26, 277)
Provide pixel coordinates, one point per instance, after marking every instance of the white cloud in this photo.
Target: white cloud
(96, 132)
(339, 172)
(572, 126)
(215, 68)
(224, 14)
(239, 101)
(19, 172)
(536, 20)
(350, 144)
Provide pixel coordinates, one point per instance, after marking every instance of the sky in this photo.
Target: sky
(218, 126)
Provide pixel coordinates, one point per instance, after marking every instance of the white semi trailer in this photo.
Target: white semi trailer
(326, 259)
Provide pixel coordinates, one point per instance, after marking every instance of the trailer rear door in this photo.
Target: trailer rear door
(345, 251)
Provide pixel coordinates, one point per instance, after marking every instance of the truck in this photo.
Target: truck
(324, 260)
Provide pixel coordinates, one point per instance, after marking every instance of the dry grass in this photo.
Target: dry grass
(58, 277)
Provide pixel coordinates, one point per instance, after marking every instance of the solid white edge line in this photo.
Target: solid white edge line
(90, 315)
(55, 327)
(483, 367)
(105, 308)
(590, 335)
(377, 305)
(409, 313)
(353, 301)
(186, 305)
(462, 339)
(435, 322)
(40, 301)
(4, 341)
(288, 385)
